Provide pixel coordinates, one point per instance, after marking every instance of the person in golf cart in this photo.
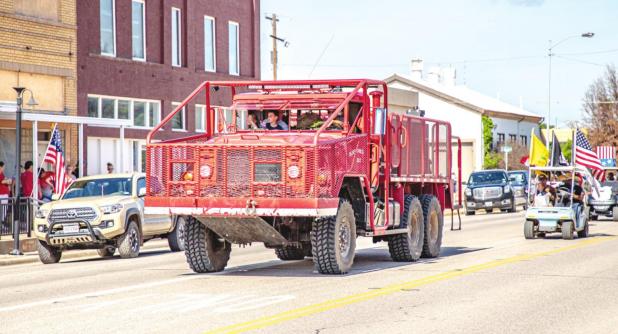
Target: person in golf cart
(544, 191)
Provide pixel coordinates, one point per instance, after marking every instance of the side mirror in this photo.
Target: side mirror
(141, 192)
(465, 183)
(379, 121)
(55, 197)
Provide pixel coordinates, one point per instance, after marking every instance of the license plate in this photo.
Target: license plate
(488, 203)
(70, 228)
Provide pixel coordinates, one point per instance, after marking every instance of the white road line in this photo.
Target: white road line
(97, 293)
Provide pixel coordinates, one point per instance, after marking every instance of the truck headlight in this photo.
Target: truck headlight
(293, 172)
(205, 171)
(110, 209)
(468, 192)
(41, 213)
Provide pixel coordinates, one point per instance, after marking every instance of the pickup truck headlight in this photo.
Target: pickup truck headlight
(468, 192)
(41, 213)
(110, 209)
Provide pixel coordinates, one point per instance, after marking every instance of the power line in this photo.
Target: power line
(579, 61)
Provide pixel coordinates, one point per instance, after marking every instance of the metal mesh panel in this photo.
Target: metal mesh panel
(339, 158)
(238, 172)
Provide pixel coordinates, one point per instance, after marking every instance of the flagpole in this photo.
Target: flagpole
(573, 146)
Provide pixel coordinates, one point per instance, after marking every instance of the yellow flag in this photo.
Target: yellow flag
(539, 154)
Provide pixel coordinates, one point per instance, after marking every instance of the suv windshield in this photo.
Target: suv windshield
(99, 187)
(487, 177)
(517, 177)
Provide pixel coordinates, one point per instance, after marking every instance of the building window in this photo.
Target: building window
(178, 121)
(234, 48)
(108, 27)
(513, 138)
(200, 118)
(141, 113)
(209, 44)
(138, 29)
(524, 140)
(501, 138)
(176, 37)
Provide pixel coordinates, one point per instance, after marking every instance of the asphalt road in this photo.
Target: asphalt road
(489, 279)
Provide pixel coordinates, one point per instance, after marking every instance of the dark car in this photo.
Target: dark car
(488, 190)
(519, 184)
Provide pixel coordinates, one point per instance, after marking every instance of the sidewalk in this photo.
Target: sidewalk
(33, 256)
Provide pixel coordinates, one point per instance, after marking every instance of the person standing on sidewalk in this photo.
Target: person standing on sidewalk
(26, 180)
(5, 191)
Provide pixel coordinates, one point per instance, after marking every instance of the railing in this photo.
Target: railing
(8, 209)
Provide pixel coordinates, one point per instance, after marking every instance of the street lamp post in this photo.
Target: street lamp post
(550, 54)
(16, 212)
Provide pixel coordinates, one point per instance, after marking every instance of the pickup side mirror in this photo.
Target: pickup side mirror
(55, 197)
(465, 183)
(141, 192)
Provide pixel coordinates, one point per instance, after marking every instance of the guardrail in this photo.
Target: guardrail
(25, 211)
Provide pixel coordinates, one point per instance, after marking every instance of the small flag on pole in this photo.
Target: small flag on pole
(54, 155)
(585, 156)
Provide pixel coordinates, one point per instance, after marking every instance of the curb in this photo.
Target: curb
(77, 254)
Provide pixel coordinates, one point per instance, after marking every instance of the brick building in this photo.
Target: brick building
(137, 59)
(38, 52)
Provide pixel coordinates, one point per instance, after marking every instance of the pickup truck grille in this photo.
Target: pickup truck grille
(86, 213)
(487, 193)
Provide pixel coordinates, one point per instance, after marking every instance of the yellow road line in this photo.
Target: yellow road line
(390, 289)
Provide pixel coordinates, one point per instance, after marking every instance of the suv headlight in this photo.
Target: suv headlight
(110, 209)
(41, 213)
(468, 192)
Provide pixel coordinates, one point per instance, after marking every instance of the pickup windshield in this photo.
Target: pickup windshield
(99, 187)
(487, 178)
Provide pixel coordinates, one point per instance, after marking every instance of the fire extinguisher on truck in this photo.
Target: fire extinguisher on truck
(305, 167)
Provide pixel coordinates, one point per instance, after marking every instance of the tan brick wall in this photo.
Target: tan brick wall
(31, 44)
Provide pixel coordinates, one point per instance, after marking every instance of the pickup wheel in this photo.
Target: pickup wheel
(408, 247)
(287, 253)
(176, 239)
(107, 251)
(470, 213)
(567, 230)
(434, 224)
(47, 253)
(129, 242)
(205, 250)
(334, 241)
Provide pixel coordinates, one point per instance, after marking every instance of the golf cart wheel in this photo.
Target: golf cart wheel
(529, 229)
(567, 230)
(584, 233)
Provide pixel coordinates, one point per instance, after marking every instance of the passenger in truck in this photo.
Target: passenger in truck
(273, 122)
(252, 122)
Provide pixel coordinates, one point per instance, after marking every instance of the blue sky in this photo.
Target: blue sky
(498, 47)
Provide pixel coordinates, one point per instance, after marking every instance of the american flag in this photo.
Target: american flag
(585, 156)
(54, 156)
(607, 154)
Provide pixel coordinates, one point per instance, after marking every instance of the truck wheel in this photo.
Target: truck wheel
(107, 251)
(529, 229)
(470, 213)
(408, 247)
(615, 213)
(47, 253)
(287, 253)
(334, 241)
(206, 252)
(434, 223)
(584, 233)
(567, 230)
(513, 207)
(176, 239)
(129, 242)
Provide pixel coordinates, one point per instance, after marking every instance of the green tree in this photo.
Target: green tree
(567, 149)
(490, 160)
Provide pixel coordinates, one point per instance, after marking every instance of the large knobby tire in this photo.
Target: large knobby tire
(584, 233)
(176, 239)
(529, 229)
(567, 230)
(129, 242)
(334, 241)
(434, 224)
(205, 250)
(288, 253)
(107, 251)
(47, 253)
(408, 247)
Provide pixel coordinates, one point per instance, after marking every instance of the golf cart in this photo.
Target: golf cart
(554, 208)
(605, 202)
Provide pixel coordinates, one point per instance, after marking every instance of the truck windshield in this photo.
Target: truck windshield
(99, 187)
(487, 177)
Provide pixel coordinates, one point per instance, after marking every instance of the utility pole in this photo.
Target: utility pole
(273, 57)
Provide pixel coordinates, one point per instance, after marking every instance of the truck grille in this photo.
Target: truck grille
(487, 193)
(86, 213)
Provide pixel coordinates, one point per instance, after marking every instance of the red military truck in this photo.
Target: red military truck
(304, 167)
